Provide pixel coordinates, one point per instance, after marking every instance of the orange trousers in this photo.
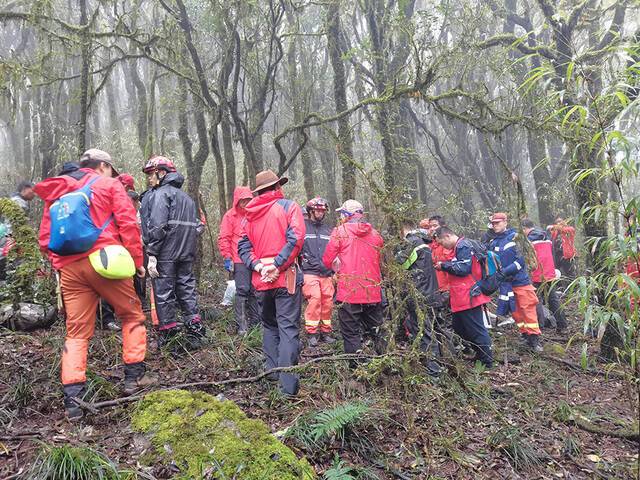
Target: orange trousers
(525, 315)
(319, 294)
(82, 288)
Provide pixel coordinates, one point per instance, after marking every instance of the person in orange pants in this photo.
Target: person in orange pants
(318, 286)
(516, 293)
(98, 216)
(319, 292)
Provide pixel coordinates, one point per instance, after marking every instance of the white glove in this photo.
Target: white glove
(152, 267)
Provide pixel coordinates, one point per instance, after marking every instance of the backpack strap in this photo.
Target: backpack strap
(413, 257)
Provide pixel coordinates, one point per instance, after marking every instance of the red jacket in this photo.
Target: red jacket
(467, 272)
(441, 254)
(544, 254)
(568, 236)
(358, 246)
(273, 229)
(231, 225)
(108, 198)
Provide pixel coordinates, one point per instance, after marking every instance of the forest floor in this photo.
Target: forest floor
(526, 418)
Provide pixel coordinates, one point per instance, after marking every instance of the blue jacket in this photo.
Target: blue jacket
(513, 267)
(513, 263)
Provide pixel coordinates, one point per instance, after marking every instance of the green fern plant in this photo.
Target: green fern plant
(339, 470)
(318, 428)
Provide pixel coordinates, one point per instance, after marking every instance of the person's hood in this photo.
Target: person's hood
(261, 204)
(172, 178)
(358, 225)
(241, 193)
(537, 234)
(53, 188)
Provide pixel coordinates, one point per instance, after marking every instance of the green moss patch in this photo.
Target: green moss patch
(203, 435)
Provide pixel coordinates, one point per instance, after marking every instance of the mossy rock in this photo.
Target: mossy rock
(202, 434)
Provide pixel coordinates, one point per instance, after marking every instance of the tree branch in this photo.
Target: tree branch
(511, 40)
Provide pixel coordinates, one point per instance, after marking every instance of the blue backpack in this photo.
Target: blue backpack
(72, 229)
(490, 264)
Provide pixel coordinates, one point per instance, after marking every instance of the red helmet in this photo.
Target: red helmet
(159, 163)
(317, 203)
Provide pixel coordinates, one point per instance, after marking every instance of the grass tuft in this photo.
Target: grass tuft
(74, 463)
(518, 449)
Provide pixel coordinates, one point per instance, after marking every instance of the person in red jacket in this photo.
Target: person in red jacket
(563, 236)
(358, 247)
(466, 299)
(246, 303)
(543, 276)
(274, 232)
(438, 252)
(82, 286)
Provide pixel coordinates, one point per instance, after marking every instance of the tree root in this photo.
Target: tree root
(94, 407)
(591, 428)
(577, 367)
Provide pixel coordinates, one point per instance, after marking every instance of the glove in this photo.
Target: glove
(228, 265)
(152, 267)
(475, 290)
(500, 276)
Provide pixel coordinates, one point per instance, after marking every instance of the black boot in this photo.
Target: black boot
(167, 337)
(136, 378)
(241, 315)
(533, 341)
(312, 340)
(195, 333)
(73, 411)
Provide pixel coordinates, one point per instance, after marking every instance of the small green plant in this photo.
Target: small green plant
(74, 463)
(563, 412)
(22, 393)
(518, 449)
(318, 428)
(339, 470)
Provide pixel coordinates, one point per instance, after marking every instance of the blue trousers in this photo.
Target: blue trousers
(469, 325)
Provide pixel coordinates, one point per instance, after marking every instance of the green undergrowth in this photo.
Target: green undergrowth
(67, 462)
(212, 438)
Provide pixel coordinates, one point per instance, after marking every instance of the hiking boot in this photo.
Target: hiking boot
(136, 378)
(533, 342)
(113, 326)
(241, 315)
(73, 411)
(313, 340)
(433, 368)
(195, 327)
(327, 338)
(167, 337)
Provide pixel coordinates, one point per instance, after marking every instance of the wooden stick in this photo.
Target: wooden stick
(93, 407)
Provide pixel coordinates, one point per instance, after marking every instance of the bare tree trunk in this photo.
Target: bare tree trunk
(345, 138)
(229, 160)
(84, 80)
(297, 103)
(142, 106)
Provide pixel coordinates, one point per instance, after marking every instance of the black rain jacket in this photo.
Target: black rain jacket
(170, 222)
(315, 243)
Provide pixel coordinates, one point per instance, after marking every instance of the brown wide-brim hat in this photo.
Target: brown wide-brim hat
(100, 155)
(267, 178)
